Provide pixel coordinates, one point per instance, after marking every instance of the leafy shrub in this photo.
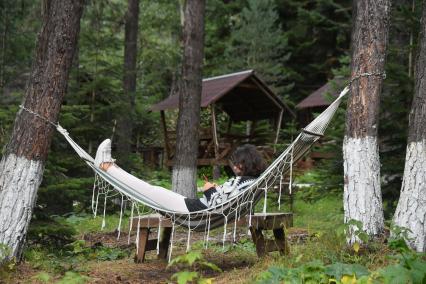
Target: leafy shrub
(195, 261)
(50, 232)
(405, 266)
(73, 278)
(99, 252)
(7, 265)
(42, 277)
(4, 252)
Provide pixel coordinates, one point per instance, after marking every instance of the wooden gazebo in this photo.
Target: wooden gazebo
(243, 96)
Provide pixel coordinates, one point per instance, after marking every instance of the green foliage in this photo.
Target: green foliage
(7, 264)
(18, 28)
(335, 264)
(195, 261)
(78, 249)
(184, 277)
(399, 238)
(338, 270)
(73, 278)
(312, 272)
(50, 232)
(318, 34)
(71, 257)
(257, 42)
(4, 252)
(243, 245)
(193, 258)
(354, 228)
(42, 277)
(408, 270)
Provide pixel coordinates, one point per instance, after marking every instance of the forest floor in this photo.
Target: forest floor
(97, 257)
(236, 261)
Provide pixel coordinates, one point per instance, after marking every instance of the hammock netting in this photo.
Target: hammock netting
(230, 211)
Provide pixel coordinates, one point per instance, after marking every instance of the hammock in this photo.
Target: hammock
(230, 210)
(244, 200)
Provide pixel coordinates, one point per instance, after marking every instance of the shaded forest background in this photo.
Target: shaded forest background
(295, 46)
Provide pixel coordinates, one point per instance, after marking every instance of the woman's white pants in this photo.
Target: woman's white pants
(167, 198)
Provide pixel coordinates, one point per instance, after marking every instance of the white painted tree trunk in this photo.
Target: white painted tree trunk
(411, 210)
(362, 199)
(19, 182)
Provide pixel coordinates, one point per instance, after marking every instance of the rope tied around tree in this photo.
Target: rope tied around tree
(367, 74)
(39, 116)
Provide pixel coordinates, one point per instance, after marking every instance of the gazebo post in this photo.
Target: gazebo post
(277, 135)
(216, 167)
(166, 136)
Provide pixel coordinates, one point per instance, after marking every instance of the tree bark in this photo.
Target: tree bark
(125, 124)
(3, 44)
(21, 168)
(185, 164)
(362, 195)
(411, 210)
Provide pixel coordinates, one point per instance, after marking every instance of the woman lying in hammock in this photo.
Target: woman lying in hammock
(247, 164)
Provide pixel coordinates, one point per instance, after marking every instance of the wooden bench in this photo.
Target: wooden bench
(277, 222)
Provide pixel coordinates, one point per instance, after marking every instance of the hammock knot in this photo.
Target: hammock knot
(368, 74)
(39, 116)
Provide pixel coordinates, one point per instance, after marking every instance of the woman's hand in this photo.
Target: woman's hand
(208, 185)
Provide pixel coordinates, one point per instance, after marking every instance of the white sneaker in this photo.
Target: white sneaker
(103, 154)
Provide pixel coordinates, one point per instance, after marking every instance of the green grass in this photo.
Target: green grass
(322, 215)
(84, 224)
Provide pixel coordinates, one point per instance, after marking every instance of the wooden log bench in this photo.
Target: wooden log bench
(260, 222)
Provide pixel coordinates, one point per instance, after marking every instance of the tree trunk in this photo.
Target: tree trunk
(185, 164)
(21, 168)
(411, 210)
(3, 44)
(125, 123)
(362, 195)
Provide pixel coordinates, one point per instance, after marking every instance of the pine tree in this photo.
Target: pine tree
(258, 42)
(125, 122)
(21, 167)
(185, 162)
(411, 210)
(362, 195)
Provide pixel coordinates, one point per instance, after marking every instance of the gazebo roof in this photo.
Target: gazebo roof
(242, 95)
(320, 97)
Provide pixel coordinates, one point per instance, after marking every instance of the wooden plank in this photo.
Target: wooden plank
(153, 222)
(164, 243)
(143, 242)
(268, 221)
(258, 240)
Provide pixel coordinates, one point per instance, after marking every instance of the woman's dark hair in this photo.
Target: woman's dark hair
(249, 160)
